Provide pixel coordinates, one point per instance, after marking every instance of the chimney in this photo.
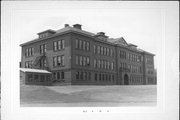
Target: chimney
(77, 26)
(66, 25)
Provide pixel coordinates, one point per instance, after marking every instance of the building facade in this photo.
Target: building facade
(77, 57)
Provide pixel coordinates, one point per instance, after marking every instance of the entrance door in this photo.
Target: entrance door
(126, 81)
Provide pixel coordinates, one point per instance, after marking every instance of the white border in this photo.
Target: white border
(167, 66)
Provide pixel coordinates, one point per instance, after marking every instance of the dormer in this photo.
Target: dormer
(101, 36)
(46, 33)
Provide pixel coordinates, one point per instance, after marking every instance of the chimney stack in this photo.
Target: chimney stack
(77, 26)
(66, 25)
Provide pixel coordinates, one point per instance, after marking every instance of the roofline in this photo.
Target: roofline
(55, 35)
(94, 38)
(50, 30)
(148, 53)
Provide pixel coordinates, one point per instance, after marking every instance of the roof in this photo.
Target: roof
(143, 51)
(34, 70)
(130, 44)
(60, 31)
(49, 30)
(69, 28)
(117, 41)
(120, 41)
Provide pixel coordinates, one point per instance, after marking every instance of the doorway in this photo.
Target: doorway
(126, 81)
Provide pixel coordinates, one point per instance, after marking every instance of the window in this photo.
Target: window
(139, 59)
(128, 67)
(81, 60)
(54, 61)
(109, 77)
(80, 44)
(58, 60)
(42, 48)
(59, 44)
(99, 63)
(98, 49)
(77, 75)
(48, 77)
(95, 76)
(54, 75)
(130, 57)
(94, 49)
(106, 77)
(62, 60)
(32, 51)
(42, 78)
(103, 77)
(30, 77)
(107, 51)
(101, 50)
(77, 43)
(102, 63)
(63, 44)
(85, 75)
(84, 45)
(55, 46)
(58, 75)
(88, 61)
(95, 63)
(122, 54)
(99, 77)
(45, 48)
(89, 75)
(62, 75)
(43, 63)
(36, 77)
(28, 64)
(81, 76)
(108, 65)
(77, 60)
(26, 53)
(136, 58)
(111, 52)
(84, 61)
(88, 46)
(112, 77)
(29, 52)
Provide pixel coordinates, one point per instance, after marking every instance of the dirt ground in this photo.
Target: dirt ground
(88, 96)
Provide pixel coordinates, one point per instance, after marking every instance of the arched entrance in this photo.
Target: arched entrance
(126, 81)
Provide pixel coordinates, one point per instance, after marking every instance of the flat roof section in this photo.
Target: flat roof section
(34, 70)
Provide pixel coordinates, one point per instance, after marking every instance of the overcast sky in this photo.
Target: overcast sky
(139, 26)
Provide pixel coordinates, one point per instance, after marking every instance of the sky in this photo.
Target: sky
(142, 27)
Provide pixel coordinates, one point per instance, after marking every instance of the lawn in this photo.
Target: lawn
(87, 96)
